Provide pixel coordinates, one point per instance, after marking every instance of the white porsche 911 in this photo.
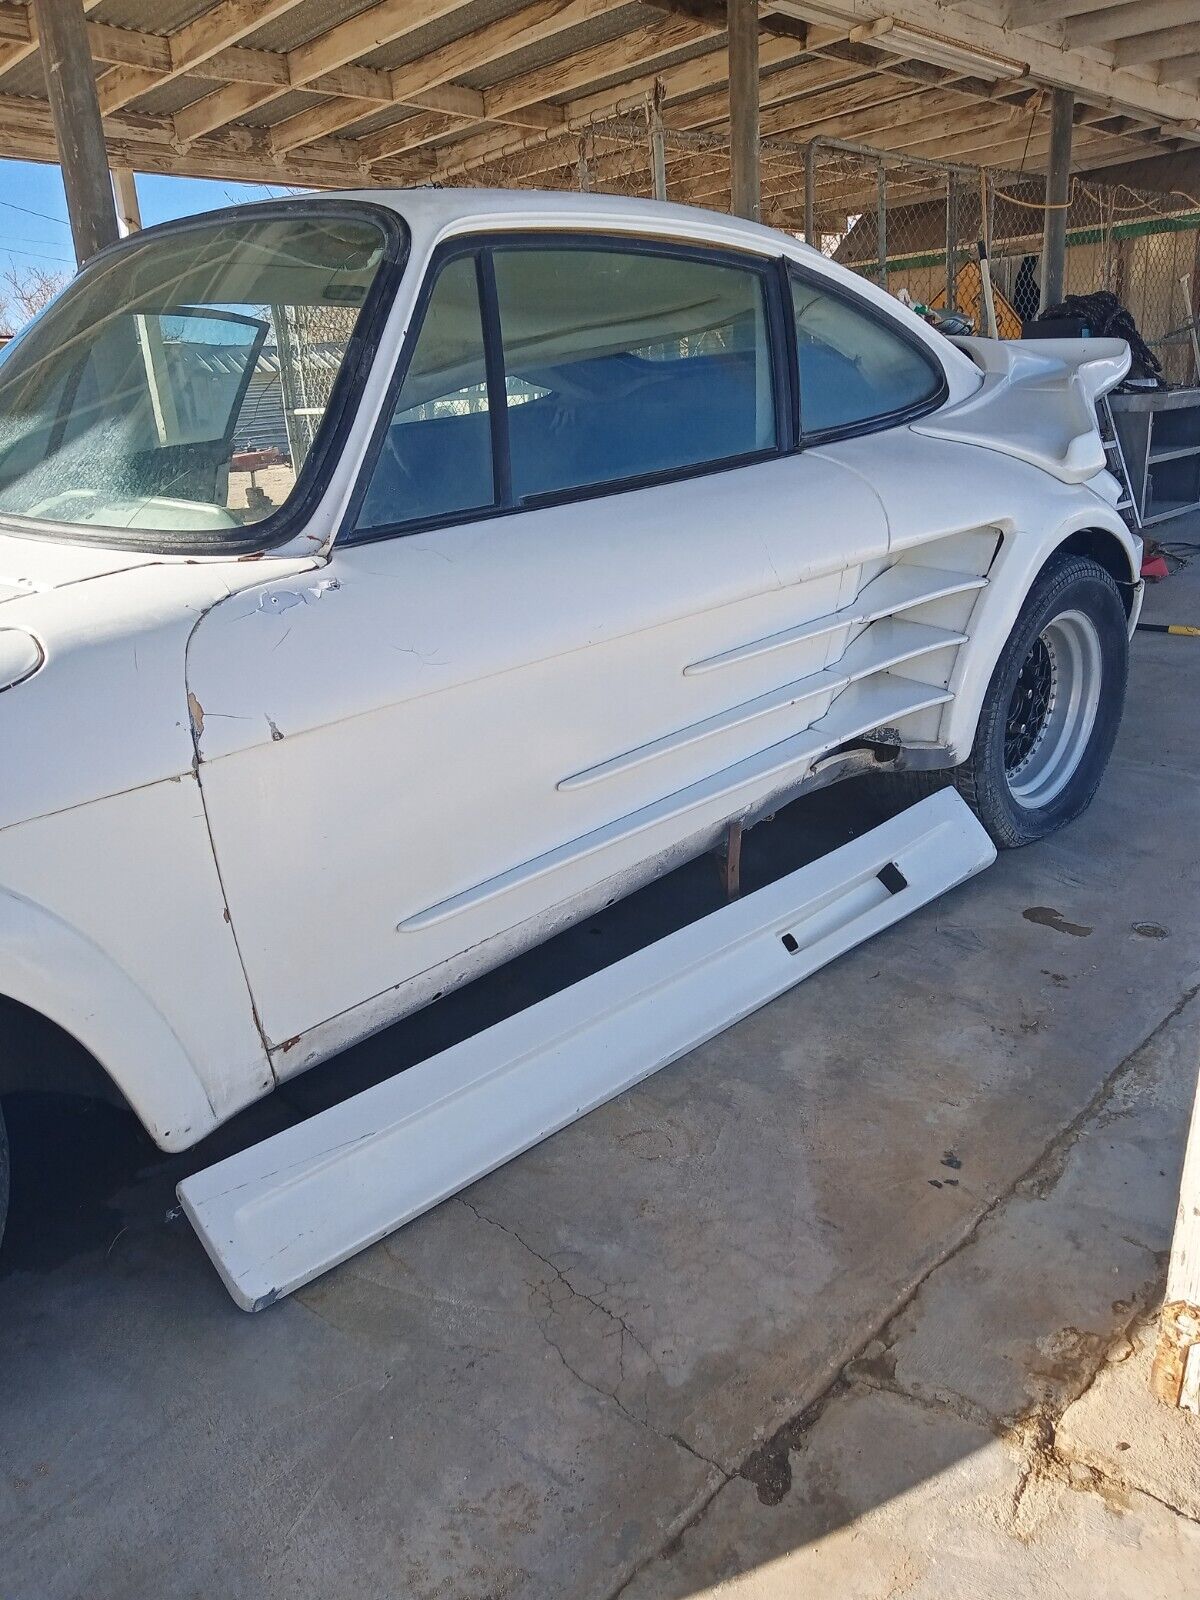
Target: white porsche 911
(391, 579)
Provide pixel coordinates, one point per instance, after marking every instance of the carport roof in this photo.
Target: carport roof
(335, 93)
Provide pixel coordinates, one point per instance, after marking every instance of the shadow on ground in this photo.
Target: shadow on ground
(72, 1157)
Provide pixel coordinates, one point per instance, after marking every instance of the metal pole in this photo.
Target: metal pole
(745, 195)
(1058, 193)
(78, 131)
(810, 196)
(951, 240)
(881, 224)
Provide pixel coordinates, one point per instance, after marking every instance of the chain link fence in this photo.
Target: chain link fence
(908, 223)
(920, 224)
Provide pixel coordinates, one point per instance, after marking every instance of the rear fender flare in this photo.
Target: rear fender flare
(1013, 573)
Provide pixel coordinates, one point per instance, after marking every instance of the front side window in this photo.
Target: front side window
(436, 455)
(854, 369)
(631, 363)
(180, 385)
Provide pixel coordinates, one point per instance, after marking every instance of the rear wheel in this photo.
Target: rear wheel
(1051, 711)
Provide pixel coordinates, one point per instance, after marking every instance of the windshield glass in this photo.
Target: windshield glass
(179, 386)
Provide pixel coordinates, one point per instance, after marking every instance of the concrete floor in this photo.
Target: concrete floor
(850, 1301)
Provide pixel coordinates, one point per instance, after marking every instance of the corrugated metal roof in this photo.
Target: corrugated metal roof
(150, 16)
(602, 29)
(27, 77)
(287, 105)
(701, 47)
(324, 161)
(171, 97)
(304, 22)
(435, 34)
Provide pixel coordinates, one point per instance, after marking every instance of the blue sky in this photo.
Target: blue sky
(33, 209)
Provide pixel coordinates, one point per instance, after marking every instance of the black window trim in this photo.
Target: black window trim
(796, 272)
(781, 345)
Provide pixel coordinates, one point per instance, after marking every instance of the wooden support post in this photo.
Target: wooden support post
(881, 223)
(129, 212)
(658, 143)
(744, 181)
(1058, 193)
(1175, 1375)
(810, 196)
(78, 132)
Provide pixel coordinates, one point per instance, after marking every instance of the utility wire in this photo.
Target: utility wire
(45, 215)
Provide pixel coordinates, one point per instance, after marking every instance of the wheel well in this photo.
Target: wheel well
(37, 1055)
(1108, 552)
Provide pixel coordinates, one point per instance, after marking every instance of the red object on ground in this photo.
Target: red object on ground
(255, 460)
(1155, 568)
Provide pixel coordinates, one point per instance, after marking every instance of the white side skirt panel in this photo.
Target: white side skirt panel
(275, 1216)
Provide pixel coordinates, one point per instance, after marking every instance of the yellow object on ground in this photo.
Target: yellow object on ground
(968, 294)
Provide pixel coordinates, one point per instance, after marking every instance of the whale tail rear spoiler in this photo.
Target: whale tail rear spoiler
(1037, 402)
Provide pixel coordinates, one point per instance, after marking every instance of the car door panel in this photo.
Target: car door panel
(388, 751)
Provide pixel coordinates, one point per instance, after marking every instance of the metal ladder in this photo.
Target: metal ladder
(1115, 457)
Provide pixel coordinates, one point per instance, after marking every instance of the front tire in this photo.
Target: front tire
(1053, 706)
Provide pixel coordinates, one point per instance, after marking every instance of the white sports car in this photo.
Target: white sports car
(391, 579)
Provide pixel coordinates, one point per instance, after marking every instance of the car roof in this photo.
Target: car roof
(433, 210)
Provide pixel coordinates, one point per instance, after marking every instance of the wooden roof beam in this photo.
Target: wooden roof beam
(1184, 69)
(1126, 20)
(215, 30)
(1038, 13)
(808, 75)
(1048, 63)
(1159, 44)
(196, 42)
(421, 83)
(636, 49)
(145, 143)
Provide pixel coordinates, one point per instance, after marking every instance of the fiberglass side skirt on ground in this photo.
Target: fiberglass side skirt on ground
(275, 1216)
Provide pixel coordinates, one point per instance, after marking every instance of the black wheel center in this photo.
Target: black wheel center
(1029, 706)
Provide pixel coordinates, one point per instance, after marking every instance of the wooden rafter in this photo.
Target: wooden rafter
(870, 70)
(1049, 63)
(381, 24)
(420, 84)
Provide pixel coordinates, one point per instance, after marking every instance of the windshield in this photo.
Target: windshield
(174, 392)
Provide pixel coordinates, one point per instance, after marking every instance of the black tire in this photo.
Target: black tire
(993, 780)
(3, 1175)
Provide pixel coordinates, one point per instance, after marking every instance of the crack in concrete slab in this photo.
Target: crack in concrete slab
(767, 1463)
(621, 1327)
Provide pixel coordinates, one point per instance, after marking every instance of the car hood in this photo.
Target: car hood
(32, 565)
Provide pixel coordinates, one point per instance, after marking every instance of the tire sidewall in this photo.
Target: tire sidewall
(1073, 583)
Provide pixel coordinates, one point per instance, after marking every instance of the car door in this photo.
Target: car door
(558, 637)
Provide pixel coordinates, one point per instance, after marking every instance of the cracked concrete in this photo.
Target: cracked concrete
(1002, 1422)
(847, 1301)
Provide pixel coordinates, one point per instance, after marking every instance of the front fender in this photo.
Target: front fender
(113, 925)
(58, 972)
(1021, 556)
